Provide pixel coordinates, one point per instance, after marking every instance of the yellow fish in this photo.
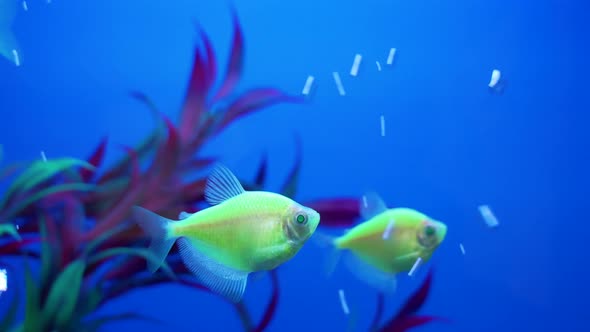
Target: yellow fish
(390, 241)
(243, 232)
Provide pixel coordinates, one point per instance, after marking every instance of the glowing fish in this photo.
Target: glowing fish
(8, 44)
(375, 259)
(243, 232)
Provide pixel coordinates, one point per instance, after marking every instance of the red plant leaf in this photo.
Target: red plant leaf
(131, 267)
(13, 247)
(211, 59)
(196, 94)
(123, 206)
(378, 312)
(191, 209)
(53, 233)
(418, 298)
(252, 101)
(410, 322)
(125, 238)
(122, 287)
(201, 138)
(406, 318)
(235, 64)
(95, 160)
(261, 174)
(337, 212)
(162, 178)
(122, 167)
(289, 188)
(167, 156)
(194, 191)
(71, 227)
(198, 164)
(144, 99)
(272, 305)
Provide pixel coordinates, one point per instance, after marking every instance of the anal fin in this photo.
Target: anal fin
(219, 278)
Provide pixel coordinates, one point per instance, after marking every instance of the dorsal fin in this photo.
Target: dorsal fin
(372, 205)
(222, 185)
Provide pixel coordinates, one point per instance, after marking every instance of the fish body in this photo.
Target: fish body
(242, 232)
(390, 241)
(248, 232)
(398, 252)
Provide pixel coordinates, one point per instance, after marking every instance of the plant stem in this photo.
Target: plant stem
(244, 316)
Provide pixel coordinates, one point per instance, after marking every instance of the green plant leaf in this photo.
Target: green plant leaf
(63, 296)
(40, 171)
(18, 328)
(7, 321)
(141, 252)
(46, 263)
(32, 308)
(115, 185)
(10, 229)
(91, 301)
(22, 204)
(96, 323)
(92, 245)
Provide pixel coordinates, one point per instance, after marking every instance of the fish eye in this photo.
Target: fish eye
(429, 230)
(301, 219)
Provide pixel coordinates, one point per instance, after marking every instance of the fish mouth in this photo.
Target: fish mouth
(442, 233)
(314, 220)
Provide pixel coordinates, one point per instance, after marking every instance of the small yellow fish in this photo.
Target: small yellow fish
(390, 241)
(243, 232)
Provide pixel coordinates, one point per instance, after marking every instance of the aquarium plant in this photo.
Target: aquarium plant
(65, 220)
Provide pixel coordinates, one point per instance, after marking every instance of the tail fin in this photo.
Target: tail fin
(333, 253)
(157, 228)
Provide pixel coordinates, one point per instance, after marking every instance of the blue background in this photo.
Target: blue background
(450, 145)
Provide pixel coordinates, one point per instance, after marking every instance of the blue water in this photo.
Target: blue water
(450, 144)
